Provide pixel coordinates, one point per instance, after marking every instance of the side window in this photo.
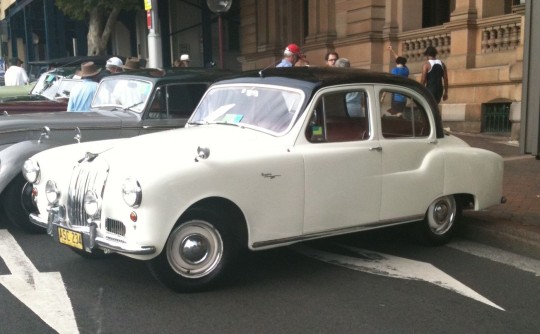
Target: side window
(402, 116)
(158, 108)
(182, 99)
(176, 101)
(340, 117)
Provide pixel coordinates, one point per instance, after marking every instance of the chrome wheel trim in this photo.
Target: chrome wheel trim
(194, 249)
(442, 215)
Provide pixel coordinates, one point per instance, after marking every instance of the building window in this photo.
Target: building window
(435, 12)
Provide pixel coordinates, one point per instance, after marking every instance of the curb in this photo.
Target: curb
(523, 240)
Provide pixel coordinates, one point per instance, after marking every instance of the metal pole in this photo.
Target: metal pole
(220, 32)
(155, 57)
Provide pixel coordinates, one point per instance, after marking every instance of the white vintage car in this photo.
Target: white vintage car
(268, 159)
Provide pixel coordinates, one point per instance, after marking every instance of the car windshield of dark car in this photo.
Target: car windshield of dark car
(47, 84)
(269, 108)
(60, 89)
(122, 93)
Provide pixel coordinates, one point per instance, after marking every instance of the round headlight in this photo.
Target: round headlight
(132, 192)
(52, 192)
(91, 203)
(31, 171)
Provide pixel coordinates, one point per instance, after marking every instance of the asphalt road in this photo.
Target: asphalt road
(362, 283)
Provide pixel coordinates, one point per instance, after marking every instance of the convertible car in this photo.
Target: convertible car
(268, 159)
(125, 105)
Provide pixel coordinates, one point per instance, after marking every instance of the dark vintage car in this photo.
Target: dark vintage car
(125, 105)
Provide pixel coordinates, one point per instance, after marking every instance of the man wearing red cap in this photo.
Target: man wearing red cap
(290, 56)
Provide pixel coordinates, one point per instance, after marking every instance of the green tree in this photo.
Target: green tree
(101, 16)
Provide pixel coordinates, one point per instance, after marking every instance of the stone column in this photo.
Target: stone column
(322, 23)
(462, 34)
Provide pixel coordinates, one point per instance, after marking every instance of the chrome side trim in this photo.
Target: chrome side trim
(353, 229)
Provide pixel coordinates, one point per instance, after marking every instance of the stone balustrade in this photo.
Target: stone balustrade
(501, 37)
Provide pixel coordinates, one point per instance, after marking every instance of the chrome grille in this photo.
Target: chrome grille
(115, 227)
(90, 174)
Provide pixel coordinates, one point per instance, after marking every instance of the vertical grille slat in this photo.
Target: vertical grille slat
(87, 175)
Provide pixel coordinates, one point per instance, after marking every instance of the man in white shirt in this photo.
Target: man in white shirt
(16, 75)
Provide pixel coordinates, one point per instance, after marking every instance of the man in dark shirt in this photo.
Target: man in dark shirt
(434, 75)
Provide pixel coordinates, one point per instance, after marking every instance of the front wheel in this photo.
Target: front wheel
(440, 222)
(196, 253)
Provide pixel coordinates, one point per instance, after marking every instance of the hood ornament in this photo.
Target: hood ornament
(45, 134)
(89, 157)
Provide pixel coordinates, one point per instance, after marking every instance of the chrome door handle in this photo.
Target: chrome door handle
(378, 148)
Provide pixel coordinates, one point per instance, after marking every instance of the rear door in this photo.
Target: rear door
(412, 165)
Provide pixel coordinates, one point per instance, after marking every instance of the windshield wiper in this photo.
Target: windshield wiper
(130, 107)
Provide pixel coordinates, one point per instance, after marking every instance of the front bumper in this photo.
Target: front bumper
(90, 237)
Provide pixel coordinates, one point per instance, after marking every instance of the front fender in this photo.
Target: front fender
(13, 157)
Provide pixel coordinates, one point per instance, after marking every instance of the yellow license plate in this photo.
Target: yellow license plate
(70, 238)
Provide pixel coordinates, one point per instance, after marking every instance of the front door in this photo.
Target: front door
(342, 162)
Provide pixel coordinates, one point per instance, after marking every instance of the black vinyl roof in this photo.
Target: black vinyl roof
(191, 74)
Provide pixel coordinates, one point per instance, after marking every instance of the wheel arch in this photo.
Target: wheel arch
(227, 209)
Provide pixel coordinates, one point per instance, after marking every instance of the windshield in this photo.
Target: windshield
(269, 108)
(47, 83)
(122, 93)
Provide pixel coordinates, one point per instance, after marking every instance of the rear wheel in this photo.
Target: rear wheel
(196, 253)
(440, 222)
(18, 204)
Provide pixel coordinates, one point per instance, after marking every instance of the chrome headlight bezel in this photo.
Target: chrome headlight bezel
(52, 192)
(132, 192)
(31, 171)
(92, 203)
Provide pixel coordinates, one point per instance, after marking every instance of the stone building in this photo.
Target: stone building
(480, 41)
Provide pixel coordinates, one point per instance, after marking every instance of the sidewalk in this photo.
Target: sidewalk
(515, 225)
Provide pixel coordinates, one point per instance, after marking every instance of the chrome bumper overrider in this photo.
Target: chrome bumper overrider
(89, 234)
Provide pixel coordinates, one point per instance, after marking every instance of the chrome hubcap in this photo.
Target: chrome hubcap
(194, 249)
(442, 214)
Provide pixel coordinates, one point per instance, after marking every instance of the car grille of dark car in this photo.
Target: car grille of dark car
(89, 175)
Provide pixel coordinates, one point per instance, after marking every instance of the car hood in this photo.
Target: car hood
(180, 146)
(23, 127)
(61, 120)
(22, 98)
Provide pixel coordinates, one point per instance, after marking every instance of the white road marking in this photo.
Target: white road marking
(495, 254)
(43, 293)
(393, 266)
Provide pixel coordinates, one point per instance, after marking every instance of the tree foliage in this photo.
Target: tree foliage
(101, 16)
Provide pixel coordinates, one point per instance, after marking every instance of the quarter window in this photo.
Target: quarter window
(402, 116)
(340, 117)
(176, 101)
